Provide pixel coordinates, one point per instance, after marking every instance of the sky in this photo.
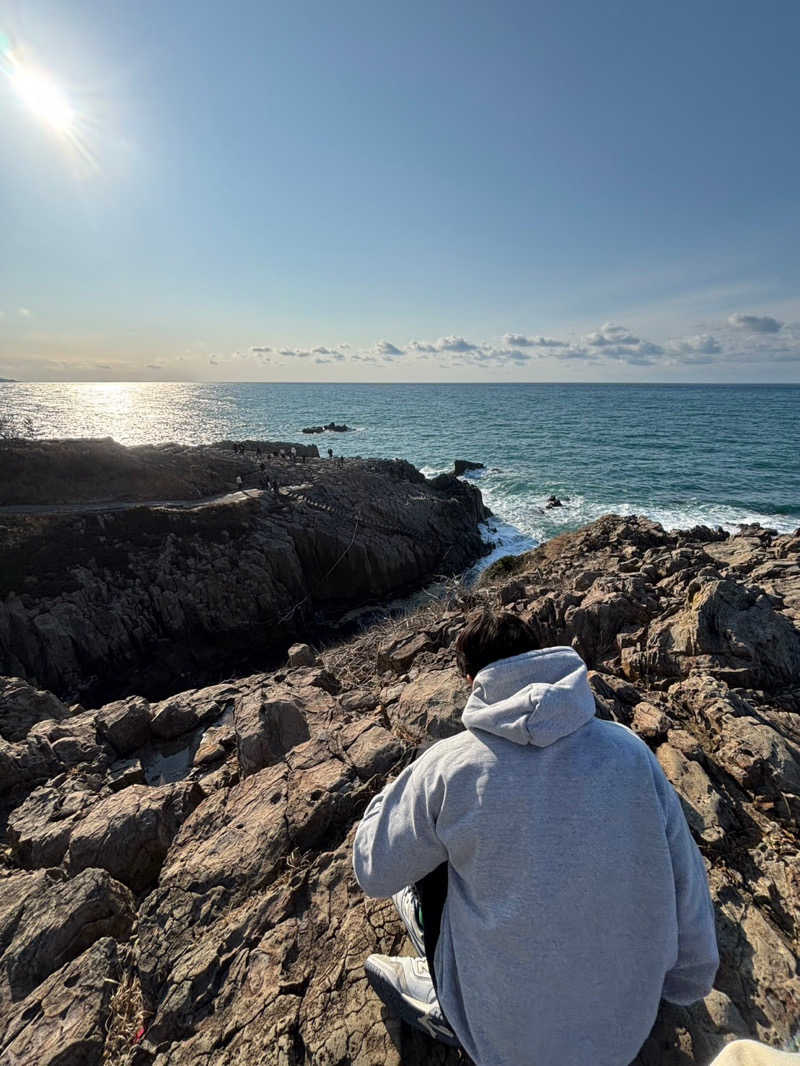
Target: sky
(307, 191)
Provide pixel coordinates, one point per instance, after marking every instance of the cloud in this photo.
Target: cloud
(755, 323)
(260, 349)
(24, 312)
(386, 348)
(322, 350)
(295, 353)
(519, 340)
(154, 366)
(516, 340)
(102, 366)
(213, 360)
(609, 334)
(454, 344)
(702, 344)
(364, 359)
(420, 346)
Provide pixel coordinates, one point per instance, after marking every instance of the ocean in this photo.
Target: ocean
(680, 454)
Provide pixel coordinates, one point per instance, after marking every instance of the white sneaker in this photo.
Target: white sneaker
(407, 903)
(405, 986)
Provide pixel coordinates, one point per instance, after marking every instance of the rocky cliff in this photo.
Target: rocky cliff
(100, 598)
(177, 888)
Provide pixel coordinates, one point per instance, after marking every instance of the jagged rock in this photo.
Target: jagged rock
(39, 829)
(370, 749)
(46, 923)
(430, 707)
(461, 466)
(26, 764)
(608, 608)
(125, 724)
(268, 724)
(73, 741)
(511, 593)
(758, 967)
(129, 833)
(728, 631)
(125, 772)
(400, 653)
(685, 743)
(302, 655)
(318, 796)
(62, 1022)
(182, 713)
(22, 706)
(650, 722)
(756, 754)
(704, 808)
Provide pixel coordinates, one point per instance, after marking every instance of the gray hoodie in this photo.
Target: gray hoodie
(576, 895)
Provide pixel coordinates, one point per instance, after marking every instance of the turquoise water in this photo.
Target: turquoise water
(683, 455)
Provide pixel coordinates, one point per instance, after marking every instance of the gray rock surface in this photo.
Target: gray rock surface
(45, 923)
(250, 931)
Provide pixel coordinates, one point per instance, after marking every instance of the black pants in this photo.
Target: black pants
(432, 892)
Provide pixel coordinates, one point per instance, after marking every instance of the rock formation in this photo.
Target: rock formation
(98, 600)
(331, 426)
(207, 915)
(461, 466)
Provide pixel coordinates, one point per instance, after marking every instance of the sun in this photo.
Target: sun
(45, 99)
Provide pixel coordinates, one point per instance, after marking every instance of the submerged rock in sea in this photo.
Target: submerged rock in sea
(250, 930)
(461, 466)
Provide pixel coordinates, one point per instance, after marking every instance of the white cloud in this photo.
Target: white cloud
(516, 340)
(519, 340)
(702, 344)
(386, 348)
(609, 334)
(295, 353)
(454, 344)
(321, 350)
(420, 346)
(213, 360)
(260, 349)
(755, 323)
(24, 312)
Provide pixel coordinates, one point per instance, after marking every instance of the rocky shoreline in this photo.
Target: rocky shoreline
(181, 574)
(176, 886)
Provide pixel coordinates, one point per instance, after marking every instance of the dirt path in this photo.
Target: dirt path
(127, 505)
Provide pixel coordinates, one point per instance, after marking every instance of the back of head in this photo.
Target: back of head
(489, 636)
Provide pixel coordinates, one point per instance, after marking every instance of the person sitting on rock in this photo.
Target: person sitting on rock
(543, 867)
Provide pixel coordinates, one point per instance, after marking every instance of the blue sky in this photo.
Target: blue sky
(367, 191)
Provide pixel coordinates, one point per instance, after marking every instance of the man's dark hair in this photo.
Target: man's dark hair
(489, 636)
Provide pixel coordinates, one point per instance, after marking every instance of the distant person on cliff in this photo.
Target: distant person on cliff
(543, 867)
(238, 481)
(330, 453)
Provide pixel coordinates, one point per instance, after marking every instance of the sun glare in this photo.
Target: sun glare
(43, 97)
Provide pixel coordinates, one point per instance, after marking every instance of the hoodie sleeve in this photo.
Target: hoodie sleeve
(396, 842)
(692, 976)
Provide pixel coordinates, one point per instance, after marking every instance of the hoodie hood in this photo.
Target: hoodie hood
(534, 698)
